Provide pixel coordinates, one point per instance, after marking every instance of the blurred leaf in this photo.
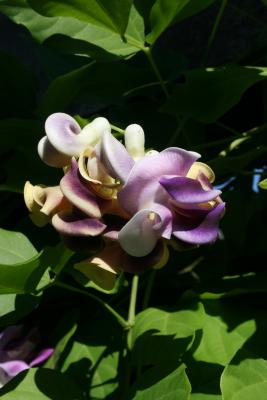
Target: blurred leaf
(209, 93)
(152, 385)
(96, 85)
(263, 184)
(163, 13)
(194, 7)
(245, 381)
(17, 89)
(41, 384)
(44, 27)
(111, 15)
(63, 90)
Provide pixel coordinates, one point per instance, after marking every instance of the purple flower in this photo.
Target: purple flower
(137, 201)
(18, 352)
(168, 195)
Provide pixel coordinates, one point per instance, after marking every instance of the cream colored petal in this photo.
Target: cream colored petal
(164, 259)
(134, 139)
(199, 167)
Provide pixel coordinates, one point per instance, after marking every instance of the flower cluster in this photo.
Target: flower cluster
(137, 202)
(19, 352)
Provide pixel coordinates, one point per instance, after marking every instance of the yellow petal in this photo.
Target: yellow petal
(198, 167)
(164, 259)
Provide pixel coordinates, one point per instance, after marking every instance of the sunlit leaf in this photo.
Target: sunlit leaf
(245, 380)
(86, 33)
(154, 385)
(41, 384)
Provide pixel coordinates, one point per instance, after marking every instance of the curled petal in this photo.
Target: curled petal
(201, 168)
(93, 172)
(115, 157)
(138, 237)
(187, 190)
(50, 155)
(199, 230)
(95, 129)
(103, 268)
(156, 259)
(43, 202)
(78, 193)
(142, 187)
(63, 133)
(134, 139)
(70, 224)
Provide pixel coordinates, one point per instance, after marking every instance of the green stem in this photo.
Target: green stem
(111, 310)
(149, 287)
(117, 129)
(148, 53)
(125, 365)
(214, 31)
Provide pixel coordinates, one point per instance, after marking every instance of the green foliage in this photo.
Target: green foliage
(113, 16)
(193, 79)
(245, 380)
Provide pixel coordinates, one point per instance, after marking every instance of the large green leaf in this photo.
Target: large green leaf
(209, 93)
(41, 384)
(218, 343)
(153, 385)
(170, 332)
(110, 14)
(245, 381)
(85, 33)
(163, 13)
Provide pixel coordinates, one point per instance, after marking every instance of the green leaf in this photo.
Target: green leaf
(41, 384)
(245, 381)
(209, 93)
(21, 269)
(112, 15)
(163, 13)
(173, 386)
(219, 344)
(263, 184)
(15, 248)
(170, 332)
(44, 27)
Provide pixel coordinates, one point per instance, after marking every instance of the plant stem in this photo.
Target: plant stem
(148, 53)
(214, 31)
(111, 310)
(117, 129)
(149, 287)
(126, 358)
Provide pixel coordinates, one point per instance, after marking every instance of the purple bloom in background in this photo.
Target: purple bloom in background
(18, 352)
(138, 202)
